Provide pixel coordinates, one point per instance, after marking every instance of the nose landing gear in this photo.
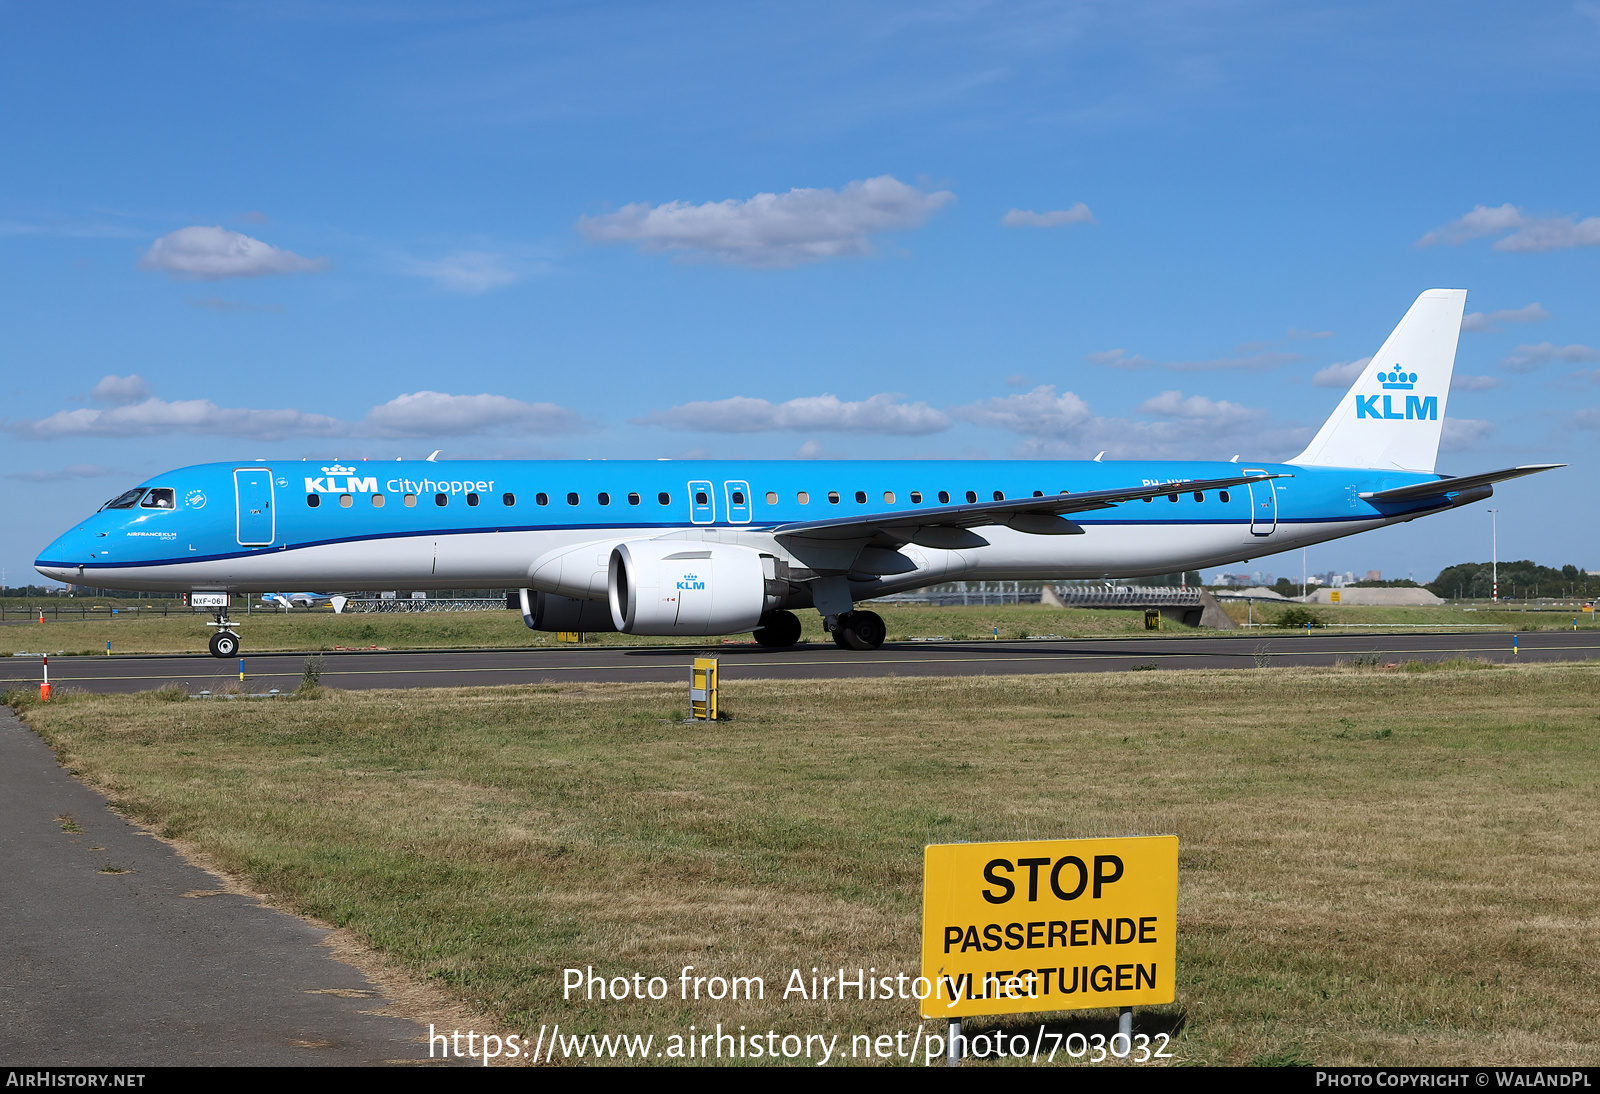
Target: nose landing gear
(224, 643)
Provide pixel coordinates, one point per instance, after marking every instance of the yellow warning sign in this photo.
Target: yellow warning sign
(1049, 925)
(1333, 596)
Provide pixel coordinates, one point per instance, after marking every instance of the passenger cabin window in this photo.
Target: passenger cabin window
(803, 498)
(410, 500)
(572, 499)
(441, 499)
(833, 497)
(1198, 496)
(972, 496)
(861, 497)
(738, 497)
(125, 501)
(772, 497)
(888, 497)
(541, 499)
(508, 499)
(700, 497)
(999, 495)
(605, 499)
(1222, 496)
(159, 498)
(1038, 493)
(346, 500)
(944, 497)
(664, 498)
(472, 499)
(633, 499)
(1172, 497)
(377, 501)
(916, 497)
(313, 500)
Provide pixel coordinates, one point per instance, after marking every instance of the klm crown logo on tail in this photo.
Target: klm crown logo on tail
(1418, 408)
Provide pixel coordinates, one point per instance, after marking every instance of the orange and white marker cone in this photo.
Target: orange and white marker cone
(44, 688)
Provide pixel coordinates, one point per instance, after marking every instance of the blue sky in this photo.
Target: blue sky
(933, 230)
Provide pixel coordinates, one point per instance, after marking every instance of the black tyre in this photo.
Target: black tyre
(224, 644)
(860, 631)
(778, 630)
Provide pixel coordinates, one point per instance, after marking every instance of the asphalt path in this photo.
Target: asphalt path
(118, 953)
(462, 668)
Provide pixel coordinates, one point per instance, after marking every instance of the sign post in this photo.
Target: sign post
(1044, 925)
(703, 690)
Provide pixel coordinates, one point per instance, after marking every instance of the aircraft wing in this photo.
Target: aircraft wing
(949, 526)
(1455, 485)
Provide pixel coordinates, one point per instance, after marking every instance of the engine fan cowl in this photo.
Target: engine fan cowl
(672, 587)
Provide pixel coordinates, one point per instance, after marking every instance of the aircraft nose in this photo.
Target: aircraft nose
(61, 560)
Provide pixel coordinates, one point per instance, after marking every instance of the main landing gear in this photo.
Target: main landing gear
(859, 630)
(777, 630)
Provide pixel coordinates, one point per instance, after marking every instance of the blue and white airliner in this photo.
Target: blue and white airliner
(697, 548)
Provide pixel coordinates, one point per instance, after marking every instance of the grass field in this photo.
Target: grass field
(323, 630)
(1396, 867)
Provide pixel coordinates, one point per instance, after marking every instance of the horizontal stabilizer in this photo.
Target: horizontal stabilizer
(1449, 485)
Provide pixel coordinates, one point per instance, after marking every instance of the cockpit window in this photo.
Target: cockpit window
(159, 498)
(125, 501)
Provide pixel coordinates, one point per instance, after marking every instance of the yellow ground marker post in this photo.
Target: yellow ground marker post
(1152, 619)
(703, 690)
(570, 637)
(1042, 925)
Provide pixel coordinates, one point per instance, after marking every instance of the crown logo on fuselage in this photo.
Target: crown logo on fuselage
(1395, 380)
(338, 469)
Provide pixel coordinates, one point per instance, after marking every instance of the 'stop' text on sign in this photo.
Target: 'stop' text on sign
(1049, 924)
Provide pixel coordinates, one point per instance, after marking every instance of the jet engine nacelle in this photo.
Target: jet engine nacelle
(678, 587)
(543, 611)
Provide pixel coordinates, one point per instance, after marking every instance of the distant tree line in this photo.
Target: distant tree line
(1523, 579)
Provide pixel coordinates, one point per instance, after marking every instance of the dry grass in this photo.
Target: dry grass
(1377, 867)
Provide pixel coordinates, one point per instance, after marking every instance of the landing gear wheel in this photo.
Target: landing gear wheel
(778, 630)
(224, 644)
(860, 631)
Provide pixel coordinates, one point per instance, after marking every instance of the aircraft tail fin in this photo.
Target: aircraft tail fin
(1393, 414)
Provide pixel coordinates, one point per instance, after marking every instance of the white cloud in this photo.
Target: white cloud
(1528, 358)
(422, 414)
(214, 253)
(62, 474)
(1340, 376)
(1216, 412)
(772, 230)
(466, 271)
(1052, 218)
(1521, 232)
(1260, 361)
(1063, 427)
(1296, 334)
(432, 413)
(1462, 382)
(155, 417)
(882, 413)
(1040, 412)
(120, 390)
(1482, 321)
(1462, 434)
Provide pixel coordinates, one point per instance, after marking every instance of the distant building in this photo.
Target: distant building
(1374, 575)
